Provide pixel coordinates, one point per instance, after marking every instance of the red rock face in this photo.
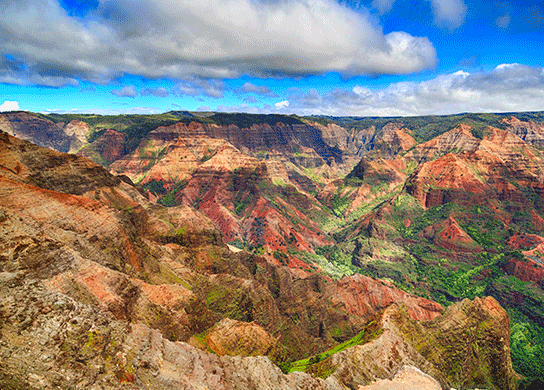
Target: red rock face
(237, 203)
(236, 191)
(531, 132)
(437, 181)
(458, 139)
(375, 178)
(485, 171)
(392, 139)
(524, 241)
(449, 235)
(362, 295)
(110, 146)
(538, 221)
(527, 270)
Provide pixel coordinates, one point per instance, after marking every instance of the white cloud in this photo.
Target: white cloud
(503, 21)
(195, 86)
(383, 6)
(507, 88)
(282, 104)
(9, 106)
(450, 12)
(206, 38)
(258, 89)
(127, 91)
(159, 92)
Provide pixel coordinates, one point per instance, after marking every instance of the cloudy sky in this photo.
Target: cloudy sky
(349, 57)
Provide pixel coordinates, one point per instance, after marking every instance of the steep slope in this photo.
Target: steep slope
(466, 216)
(250, 201)
(445, 207)
(63, 137)
(482, 167)
(477, 330)
(107, 148)
(95, 280)
(530, 131)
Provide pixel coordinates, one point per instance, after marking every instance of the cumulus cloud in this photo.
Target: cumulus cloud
(449, 12)
(207, 39)
(127, 91)
(197, 86)
(282, 104)
(9, 106)
(507, 88)
(159, 92)
(383, 6)
(258, 89)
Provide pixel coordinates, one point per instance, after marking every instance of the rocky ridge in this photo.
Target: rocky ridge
(63, 137)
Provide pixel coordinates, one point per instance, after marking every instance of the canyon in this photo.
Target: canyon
(313, 252)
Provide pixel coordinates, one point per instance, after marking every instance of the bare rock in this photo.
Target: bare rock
(407, 378)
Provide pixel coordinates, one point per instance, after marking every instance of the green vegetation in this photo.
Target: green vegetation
(526, 344)
(169, 200)
(135, 127)
(425, 128)
(304, 364)
(155, 187)
(246, 120)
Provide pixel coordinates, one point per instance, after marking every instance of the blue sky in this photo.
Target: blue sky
(375, 57)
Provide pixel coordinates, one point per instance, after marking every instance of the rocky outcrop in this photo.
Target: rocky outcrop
(275, 137)
(392, 139)
(107, 148)
(78, 131)
(530, 131)
(476, 330)
(485, 170)
(460, 139)
(44, 132)
(51, 340)
(72, 344)
(528, 270)
(361, 295)
(408, 377)
(449, 235)
(237, 338)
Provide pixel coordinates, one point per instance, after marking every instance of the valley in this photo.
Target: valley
(299, 252)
